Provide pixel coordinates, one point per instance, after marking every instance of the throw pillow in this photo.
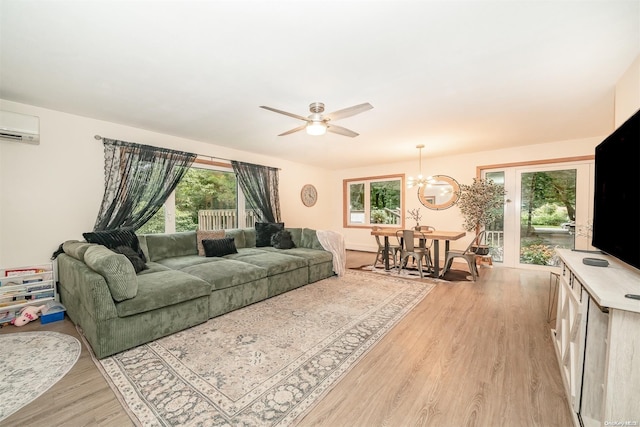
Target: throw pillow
(132, 256)
(282, 240)
(114, 238)
(209, 235)
(116, 269)
(264, 231)
(219, 247)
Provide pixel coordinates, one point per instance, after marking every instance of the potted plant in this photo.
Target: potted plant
(480, 203)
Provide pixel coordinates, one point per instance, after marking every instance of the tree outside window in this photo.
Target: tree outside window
(200, 190)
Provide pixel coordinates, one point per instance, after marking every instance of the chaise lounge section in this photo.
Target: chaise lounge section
(118, 309)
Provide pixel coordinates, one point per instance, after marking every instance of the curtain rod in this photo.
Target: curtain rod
(99, 138)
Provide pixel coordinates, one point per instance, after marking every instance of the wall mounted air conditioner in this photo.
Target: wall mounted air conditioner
(19, 127)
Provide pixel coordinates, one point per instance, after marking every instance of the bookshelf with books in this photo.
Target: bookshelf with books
(24, 286)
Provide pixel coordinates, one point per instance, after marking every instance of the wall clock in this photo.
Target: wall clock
(309, 195)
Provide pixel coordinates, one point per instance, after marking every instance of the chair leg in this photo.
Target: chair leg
(472, 268)
(377, 257)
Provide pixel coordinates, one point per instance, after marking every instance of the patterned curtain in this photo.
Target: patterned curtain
(260, 187)
(138, 180)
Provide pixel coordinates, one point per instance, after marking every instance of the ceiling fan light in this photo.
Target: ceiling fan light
(316, 128)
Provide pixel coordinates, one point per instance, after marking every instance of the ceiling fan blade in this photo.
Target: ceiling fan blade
(295, 116)
(348, 112)
(341, 131)
(299, 128)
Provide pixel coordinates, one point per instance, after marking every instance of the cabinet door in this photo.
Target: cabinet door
(570, 333)
(595, 360)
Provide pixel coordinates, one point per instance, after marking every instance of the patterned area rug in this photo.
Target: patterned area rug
(266, 364)
(30, 363)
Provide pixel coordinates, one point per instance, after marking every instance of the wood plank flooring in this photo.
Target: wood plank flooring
(470, 354)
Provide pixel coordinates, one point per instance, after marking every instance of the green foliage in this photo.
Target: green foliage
(385, 194)
(154, 225)
(547, 214)
(480, 203)
(536, 254)
(200, 189)
(356, 196)
(550, 187)
(203, 189)
(379, 216)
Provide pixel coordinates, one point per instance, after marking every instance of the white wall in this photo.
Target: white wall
(463, 169)
(51, 192)
(628, 93)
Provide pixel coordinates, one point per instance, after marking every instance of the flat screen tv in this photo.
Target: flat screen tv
(616, 212)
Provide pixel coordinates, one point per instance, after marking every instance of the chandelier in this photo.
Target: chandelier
(420, 181)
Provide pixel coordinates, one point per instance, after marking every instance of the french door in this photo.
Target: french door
(546, 207)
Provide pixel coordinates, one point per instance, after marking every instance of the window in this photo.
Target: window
(207, 198)
(373, 200)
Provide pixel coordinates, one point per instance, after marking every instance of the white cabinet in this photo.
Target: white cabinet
(24, 286)
(597, 340)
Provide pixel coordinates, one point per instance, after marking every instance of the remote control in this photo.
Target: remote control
(632, 296)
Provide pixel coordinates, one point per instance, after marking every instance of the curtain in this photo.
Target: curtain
(138, 180)
(260, 187)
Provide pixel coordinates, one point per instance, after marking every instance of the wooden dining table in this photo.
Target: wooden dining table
(436, 235)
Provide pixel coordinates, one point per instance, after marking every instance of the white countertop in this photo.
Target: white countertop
(606, 285)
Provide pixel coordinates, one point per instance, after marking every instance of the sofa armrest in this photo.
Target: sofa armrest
(83, 290)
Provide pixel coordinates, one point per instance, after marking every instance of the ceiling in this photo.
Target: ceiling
(456, 76)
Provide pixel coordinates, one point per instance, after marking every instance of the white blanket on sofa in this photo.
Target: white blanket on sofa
(334, 243)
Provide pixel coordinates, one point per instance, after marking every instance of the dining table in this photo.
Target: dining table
(435, 235)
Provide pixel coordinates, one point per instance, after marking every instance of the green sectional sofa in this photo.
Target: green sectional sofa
(118, 309)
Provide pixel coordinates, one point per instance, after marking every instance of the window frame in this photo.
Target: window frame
(367, 202)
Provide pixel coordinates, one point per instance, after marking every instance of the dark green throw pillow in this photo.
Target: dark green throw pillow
(133, 257)
(219, 247)
(264, 231)
(114, 238)
(282, 240)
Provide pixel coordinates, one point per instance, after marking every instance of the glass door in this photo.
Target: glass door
(546, 207)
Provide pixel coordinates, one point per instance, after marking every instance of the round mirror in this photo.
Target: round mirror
(441, 192)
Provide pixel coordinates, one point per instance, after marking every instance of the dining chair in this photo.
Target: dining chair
(393, 250)
(408, 249)
(427, 243)
(468, 254)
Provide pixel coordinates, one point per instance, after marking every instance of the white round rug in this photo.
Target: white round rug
(30, 363)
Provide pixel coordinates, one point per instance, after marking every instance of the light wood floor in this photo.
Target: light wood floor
(470, 354)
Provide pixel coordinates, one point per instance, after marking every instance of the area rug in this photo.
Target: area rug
(30, 363)
(266, 364)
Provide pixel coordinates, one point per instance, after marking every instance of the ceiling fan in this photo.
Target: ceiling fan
(318, 124)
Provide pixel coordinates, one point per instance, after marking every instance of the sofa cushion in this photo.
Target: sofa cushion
(161, 246)
(310, 239)
(249, 237)
(264, 231)
(114, 238)
(313, 256)
(224, 273)
(162, 289)
(207, 234)
(153, 267)
(76, 249)
(296, 236)
(116, 270)
(179, 262)
(219, 247)
(133, 257)
(274, 262)
(282, 240)
(238, 236)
